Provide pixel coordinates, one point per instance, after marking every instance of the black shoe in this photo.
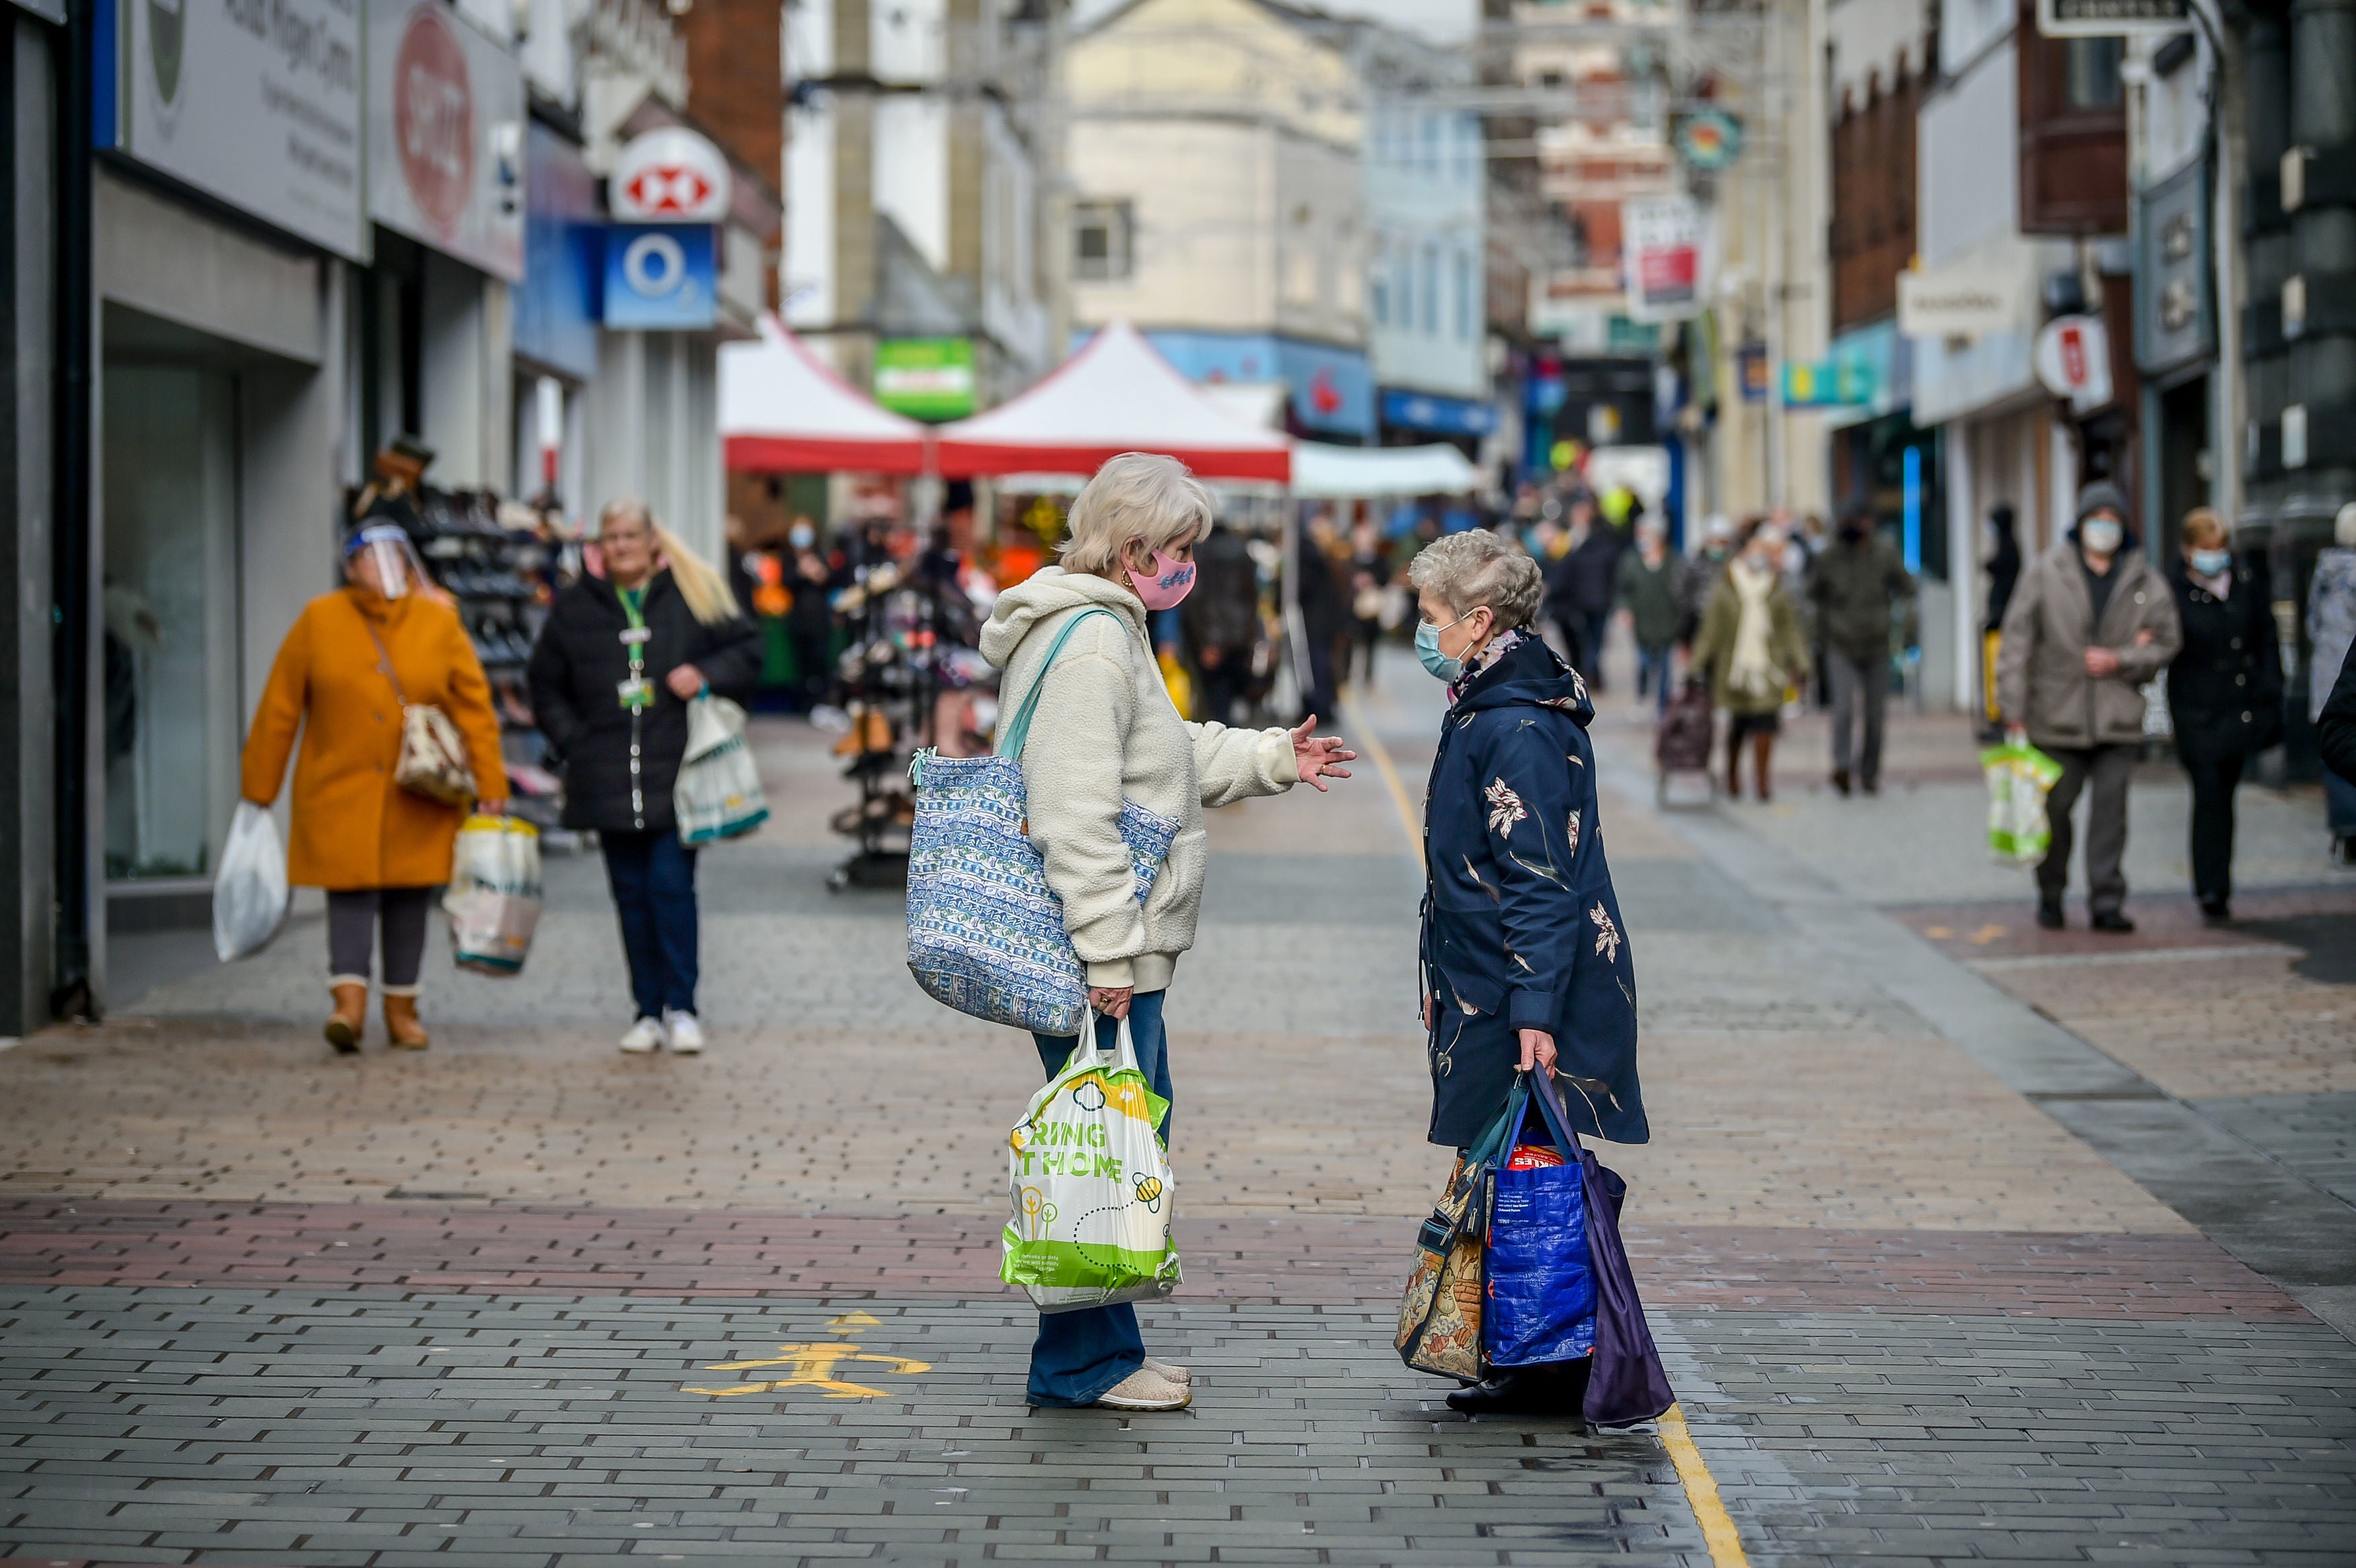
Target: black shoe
(2049, 914)
(1840, 780)
(2112, 921)
(1555, 1388)
(2217, 912)
(1871, 786)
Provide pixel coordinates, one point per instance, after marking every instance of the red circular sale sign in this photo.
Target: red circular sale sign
(434, 117)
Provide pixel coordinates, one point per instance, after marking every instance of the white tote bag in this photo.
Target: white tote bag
(718, 795)
(494, 896)
(249, 893)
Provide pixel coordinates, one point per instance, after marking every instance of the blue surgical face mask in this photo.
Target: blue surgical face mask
(2213, 562)
(2102, 534)
(1427, 648)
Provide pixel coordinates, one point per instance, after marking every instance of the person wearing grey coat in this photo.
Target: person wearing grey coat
(2090, 624)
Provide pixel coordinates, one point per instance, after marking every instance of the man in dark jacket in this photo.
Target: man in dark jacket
(2224, 692)
(1855, 584)
(616, 664)
(1578, 594)
(2335, 729)
(1699, 573)
(1221, 621)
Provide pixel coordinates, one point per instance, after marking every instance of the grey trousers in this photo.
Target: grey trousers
(352, 921)
(1858, 683)
(2110, 768)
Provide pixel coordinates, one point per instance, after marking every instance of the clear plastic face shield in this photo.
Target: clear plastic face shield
(379, 556)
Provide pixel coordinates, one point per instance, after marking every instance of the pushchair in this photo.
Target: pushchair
(1682, 743)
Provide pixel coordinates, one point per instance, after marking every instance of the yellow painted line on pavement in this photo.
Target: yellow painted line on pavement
(1701, 1491)
(1718, 1531)
(1382, 761)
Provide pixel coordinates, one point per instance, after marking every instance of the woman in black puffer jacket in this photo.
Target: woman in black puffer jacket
(616, 664)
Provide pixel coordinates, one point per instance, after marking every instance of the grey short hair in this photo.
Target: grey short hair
(1473, 569)
(1138, 496)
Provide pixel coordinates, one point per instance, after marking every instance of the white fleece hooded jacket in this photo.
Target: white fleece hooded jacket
(1105, 729)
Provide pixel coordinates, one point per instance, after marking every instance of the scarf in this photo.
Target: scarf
(1753, 669)
(1480, 661)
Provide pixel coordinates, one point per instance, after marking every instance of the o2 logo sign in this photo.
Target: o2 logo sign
(433, 119)
(660, 276)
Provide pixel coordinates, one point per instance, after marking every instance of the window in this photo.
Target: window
(1431, 291)
(1379, 285)
(1467, 298)
(1101, 235)
(2092, 73)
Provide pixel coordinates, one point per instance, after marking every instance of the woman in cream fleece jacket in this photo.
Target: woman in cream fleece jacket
(1105, 731)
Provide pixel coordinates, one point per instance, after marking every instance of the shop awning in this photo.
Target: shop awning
(1364, 472)
(1116, 395)
(784, 411)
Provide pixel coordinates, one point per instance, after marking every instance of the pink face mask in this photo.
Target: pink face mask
(1172, 582)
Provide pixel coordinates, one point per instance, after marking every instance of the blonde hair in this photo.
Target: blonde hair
(2199, 521)
(1476, 568)
(709, 598)
(1136, 497)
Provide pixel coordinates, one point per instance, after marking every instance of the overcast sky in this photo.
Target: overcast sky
(1442, 21)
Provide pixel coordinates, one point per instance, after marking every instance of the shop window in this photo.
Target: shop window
(1102, 232)
(2073, 134)
(170, 603)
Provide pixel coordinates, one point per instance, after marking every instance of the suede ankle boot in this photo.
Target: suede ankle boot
(401, 1022)
(344, 1025)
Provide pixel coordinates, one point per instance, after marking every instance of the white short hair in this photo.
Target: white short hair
(1476, 568)
(1136, 497)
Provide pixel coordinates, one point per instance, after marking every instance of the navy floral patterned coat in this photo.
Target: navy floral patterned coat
(1521, 928)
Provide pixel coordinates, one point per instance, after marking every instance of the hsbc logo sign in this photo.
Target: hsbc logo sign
(670, 176)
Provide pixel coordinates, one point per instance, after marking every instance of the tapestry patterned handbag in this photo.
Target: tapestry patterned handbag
(433, 760)
(986, 933)
(1440, 1313)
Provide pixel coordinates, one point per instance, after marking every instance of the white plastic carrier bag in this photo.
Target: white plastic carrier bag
(718, 795)
(249, 893)
(1089, 1184)
(493, 899)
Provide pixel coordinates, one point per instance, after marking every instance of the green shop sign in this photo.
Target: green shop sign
(925, 378)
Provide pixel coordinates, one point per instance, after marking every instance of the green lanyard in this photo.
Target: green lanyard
(636, 694)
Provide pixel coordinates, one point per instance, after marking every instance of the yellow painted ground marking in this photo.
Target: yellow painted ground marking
(853, 1322)
(1939, 933)
(1987, 935)
(1382, 761)
(1701, 1492)
(813, 1367)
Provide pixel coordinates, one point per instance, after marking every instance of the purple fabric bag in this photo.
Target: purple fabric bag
(1627, 1384)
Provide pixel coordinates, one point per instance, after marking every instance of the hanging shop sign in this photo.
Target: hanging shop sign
(445, 143)
(2072, 357)
(2173, 323)
(1958, 304)
(1828, 384)
(1708, 139)
(662, 277)
(2113, 18)
(925, 378)
(670, 176)
(256, 104)
(1441, 416)
(1662, 239)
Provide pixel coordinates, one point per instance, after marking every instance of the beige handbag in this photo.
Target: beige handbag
(432, 752)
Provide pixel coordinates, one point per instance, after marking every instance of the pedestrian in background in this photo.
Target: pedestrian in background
(1526, 962)
(1698, 574)
(1104, 734)
(354, 660)
(2090, 623)
(1324, 614)
(1755, 648)
(619, 660)
(810, 624)
(1370, 574)
(2331, 631)
(1646, 586)
(2225, 693)
(1587, 575)
(1856, 585)
(2003, 573)
(1222, 624)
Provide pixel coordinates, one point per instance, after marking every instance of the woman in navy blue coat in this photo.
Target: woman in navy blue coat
(1525, 961)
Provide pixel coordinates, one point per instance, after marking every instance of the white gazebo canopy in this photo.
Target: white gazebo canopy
(1364, 473)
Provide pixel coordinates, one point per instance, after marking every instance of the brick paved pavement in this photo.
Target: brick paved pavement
(1913, 1315)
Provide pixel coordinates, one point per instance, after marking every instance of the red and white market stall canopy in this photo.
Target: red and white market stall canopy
(1117, 394)
(784, 411)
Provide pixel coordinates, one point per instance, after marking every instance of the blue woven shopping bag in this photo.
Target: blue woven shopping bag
(986, 933)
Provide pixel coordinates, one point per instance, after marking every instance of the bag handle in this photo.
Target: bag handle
(1493, 1144)
(1123, 1050)
(1550, 1106)
(1018, 729)
(383, 658)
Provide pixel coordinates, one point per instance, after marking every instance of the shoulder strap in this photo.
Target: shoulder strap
(1018, 729)
(383, 658)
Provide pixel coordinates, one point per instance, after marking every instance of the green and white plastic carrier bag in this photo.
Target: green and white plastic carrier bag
(1089, 1182)
(2019, 777)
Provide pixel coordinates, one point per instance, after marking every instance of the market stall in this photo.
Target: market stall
(1370, 473)
(784, 411)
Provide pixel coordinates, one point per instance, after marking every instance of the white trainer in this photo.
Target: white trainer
(644, 1035)
(686, 1034)
(1145, 1389)
(1170, 1373)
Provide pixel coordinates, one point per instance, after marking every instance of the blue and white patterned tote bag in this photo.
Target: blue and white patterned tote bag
(986, 933)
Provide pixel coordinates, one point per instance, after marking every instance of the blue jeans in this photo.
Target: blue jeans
(653, 878)
(1654, 663)
(1079, 1355)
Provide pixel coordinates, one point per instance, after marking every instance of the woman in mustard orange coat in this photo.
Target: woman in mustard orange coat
(379, 851)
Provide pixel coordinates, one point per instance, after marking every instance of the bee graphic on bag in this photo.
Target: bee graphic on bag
(1149, 1192)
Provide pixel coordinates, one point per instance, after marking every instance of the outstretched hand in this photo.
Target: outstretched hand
(1316, 756)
